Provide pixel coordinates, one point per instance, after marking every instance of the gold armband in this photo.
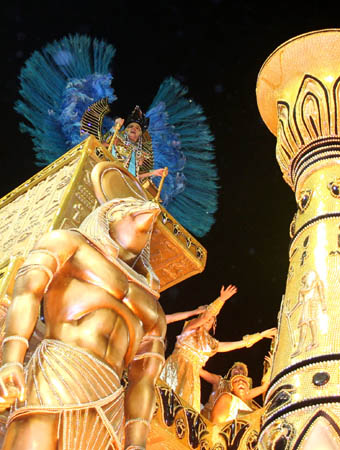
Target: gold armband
(149, 355)
(49, 253)
(151, 337)
(16, 338)
(135, 447)
(25, 269)
(251, 339)
(137, 420)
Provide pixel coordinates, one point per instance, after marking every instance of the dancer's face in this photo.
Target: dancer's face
(134, 131)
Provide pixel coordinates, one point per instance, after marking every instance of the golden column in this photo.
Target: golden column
(298, 94)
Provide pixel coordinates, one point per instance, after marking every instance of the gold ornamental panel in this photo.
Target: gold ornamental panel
(62, 195)
(298, 94)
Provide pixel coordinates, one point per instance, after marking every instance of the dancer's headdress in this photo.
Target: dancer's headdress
(137, 116)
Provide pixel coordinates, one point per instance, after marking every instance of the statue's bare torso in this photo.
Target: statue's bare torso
(82, 301)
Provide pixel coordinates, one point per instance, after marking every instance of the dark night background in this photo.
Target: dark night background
(216, 48)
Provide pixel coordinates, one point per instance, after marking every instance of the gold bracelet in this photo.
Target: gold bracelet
(135, 447)
(136, 420)
(150, 355)
(9, 364)
(251, 339)
(15, 338)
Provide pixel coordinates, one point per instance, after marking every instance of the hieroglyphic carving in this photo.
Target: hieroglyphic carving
(168, 263)
(30, 214)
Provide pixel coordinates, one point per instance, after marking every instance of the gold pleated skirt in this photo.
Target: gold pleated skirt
(83, 390)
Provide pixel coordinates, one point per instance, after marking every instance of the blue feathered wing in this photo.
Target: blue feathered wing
(67, 76)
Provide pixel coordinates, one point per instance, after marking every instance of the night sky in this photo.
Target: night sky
(216, 48)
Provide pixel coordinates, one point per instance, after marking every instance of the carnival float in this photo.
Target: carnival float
(110, 217)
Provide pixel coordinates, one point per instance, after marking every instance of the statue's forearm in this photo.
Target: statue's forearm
(139, 408)
(20, 323)
(23, 314)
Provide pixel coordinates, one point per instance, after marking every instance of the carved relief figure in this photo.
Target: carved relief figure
(102, 316)
(195, 346)
(311, 298)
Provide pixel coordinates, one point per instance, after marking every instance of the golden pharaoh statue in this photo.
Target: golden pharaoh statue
(298, 94)
(102, 316)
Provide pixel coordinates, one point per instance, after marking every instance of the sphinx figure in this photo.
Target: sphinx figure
(102, 317)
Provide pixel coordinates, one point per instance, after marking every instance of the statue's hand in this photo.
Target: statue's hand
(270, 333)
(12, 385)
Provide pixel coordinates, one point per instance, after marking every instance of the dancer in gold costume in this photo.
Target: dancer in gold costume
(102, 316)
(195, 346)
(232, 394)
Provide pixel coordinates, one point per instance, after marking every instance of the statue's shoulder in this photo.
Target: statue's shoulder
(59, 240)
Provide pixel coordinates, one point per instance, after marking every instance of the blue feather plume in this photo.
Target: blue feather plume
(182, 141)
(57, 85)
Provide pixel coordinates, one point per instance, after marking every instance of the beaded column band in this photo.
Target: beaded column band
(15, 338)
(12, 364)
(137, 420)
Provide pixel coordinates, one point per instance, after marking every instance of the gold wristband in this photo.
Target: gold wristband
(137, 420)
(16, 338)
(135, 447)
(251, 339)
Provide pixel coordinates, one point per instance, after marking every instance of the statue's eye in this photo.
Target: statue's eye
(334, 188)
(304, 199)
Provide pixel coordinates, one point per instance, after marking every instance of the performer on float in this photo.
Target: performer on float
(102, 316)
(195, 346)
(133, 146)
(233, 395)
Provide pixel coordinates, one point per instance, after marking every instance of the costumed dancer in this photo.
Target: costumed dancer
(195, 345)
(232, 395)
(133, 146)
(102, 317)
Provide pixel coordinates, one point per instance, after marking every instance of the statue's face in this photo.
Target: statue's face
(239, 386)
(134, 230)
(133, 131)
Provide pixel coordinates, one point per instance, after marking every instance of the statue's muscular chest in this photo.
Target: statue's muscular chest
(93, 283)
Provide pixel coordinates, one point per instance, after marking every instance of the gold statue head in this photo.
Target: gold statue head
(122, 228)
(131, 223)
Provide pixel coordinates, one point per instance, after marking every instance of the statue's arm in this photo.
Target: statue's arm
(32, 280)
(143, 373)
